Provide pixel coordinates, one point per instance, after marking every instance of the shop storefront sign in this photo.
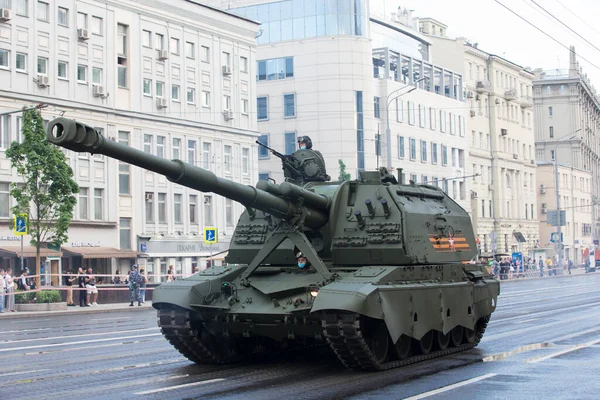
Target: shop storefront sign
(10, 238)
(85, 244)
(188, 247)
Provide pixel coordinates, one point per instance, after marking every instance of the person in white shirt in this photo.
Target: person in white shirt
(2, 290)
(10, 291)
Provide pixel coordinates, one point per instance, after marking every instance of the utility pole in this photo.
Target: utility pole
(558, 244)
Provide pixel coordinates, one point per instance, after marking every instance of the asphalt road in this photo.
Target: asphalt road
(543, 342)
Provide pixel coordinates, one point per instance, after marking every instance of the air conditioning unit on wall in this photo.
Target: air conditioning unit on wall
(83, 34)
(5, 14)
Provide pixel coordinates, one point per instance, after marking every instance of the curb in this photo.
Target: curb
(539, 278)
(25, 314)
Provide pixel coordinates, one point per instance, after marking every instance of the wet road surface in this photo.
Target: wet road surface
(542, 342)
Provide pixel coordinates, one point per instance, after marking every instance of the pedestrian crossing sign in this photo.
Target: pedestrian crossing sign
(21, 225)
(210, 236)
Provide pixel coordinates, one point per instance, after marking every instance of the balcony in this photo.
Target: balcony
(483, 86)
(526, 101)
(510, 94)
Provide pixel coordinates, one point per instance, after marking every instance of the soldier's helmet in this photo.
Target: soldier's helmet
(306, 140)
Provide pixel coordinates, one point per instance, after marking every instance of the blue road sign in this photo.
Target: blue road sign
(143, 247)
(21, 225)
(556, 237)
(210, 235)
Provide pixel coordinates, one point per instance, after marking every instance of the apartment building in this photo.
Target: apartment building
(339, 74)
(175, 79)
(575, 191)
(567, 125)
(501, 142)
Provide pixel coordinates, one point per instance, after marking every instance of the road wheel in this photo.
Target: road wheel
(426, 343)
(470, 336)
(403, 346)
(456, 336)
(442, 341)
(377, 338)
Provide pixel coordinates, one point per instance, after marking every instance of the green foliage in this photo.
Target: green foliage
(47, 194)
(24, 298)
(344, 176)
(48, 296)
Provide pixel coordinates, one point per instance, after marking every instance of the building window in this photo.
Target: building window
(360, 130)
(21, 7)
(146, 38)
(229, 213)
(245, 155)
(226, 59)
(399, 110)
(125, 233)
(274, 69)
(191, 95)
(376, 109)
(289, 105)
(4, 199)
(21, 62)
(122, 55)
(208, 213)
(122, 39)
(83, 203)
(411, 112)
(97, 25)
(5, 132)
(147, 87)
(177, 208)
(551, 131)
(98, 204)
(434, 153)
(160, 146)
(63, 70)
(245, 106)
(160, 41)
(175, 92)
(162, 208)
(193, 209)
(97, 76)
(422, 116)
(205, 53)
(262, 107)
(412, 143)
(4, 59)
(243, 64)
(205, 99)
(226, 102)
(552, 154)
(263, 176)
(124, 168)
(42, 66)
(400, 146)
(148, 144)
(190, 50)
(174, 46)
(43, 11)
(176, 148)
(82, 73)
(206, 149)
(159, 89)
(227, 158)
(444, 155)
(192, 152)
(423, 151)
(63, 16)
(263, 152)
(550, 112)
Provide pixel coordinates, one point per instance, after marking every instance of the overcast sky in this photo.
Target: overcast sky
(500, 32)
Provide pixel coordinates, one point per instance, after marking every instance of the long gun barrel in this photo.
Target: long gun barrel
(82, 138)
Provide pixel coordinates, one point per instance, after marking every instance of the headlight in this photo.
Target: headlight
(314, 292)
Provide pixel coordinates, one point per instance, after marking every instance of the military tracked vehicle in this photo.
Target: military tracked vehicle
(387, 281)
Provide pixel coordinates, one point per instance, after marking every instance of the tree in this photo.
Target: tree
(344, 176)
(47, 194)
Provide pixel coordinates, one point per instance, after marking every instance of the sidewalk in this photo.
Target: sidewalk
(101, 308)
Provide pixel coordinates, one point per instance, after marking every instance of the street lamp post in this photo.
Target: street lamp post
(388, 132)
(558, 244)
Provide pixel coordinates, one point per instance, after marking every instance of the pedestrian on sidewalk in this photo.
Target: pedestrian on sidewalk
(541, 266)
(10, 291)
(2, 290)
(69, 279)
(92, 291)
(82, 289)
(135, 280)
(143, 285)
(569, 265)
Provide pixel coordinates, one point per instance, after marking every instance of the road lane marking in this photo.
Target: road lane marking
(565, 351)
(40, 346)
(449, 387)
(23, 372)
(180, 386)
(75, 336)
(539, 313)
(529, 347)
(108, 319)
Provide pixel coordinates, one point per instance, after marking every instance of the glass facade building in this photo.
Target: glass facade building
(300, 19)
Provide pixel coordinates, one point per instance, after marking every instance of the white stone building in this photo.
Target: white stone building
(175, 79)
(501, 149)
(567, 125)
(575, 191)
(327, 72)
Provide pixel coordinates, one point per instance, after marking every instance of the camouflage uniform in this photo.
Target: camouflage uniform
(135, 278)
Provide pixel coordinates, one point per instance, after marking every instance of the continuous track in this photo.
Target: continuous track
(343, 333)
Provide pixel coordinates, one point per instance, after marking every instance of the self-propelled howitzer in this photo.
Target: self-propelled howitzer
(387, 280)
